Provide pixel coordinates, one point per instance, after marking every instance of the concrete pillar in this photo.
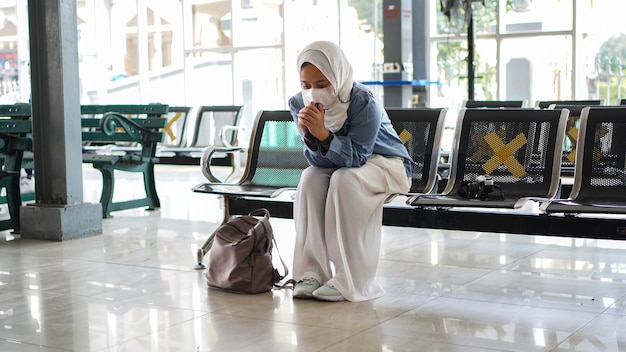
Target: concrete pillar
(398, 65)
(420, 70)
(59, 212)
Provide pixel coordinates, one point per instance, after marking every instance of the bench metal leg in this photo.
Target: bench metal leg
(202, 251)
(150, 187)
(14, 201)
(108, 182)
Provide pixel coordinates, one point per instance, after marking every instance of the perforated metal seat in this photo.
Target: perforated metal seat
(420, 130)
(212, 125)
(274, 163)
(492, 104)
(544, 104)
(600, 170)
(520, 149)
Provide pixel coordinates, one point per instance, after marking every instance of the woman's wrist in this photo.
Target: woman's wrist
(328, 139)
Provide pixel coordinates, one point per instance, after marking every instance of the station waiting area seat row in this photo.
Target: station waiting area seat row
(133, 148)
(121, 137)
(539, 104)
(522, 154)
(516, 151)
(520, 150)
(15, 128)
(600, 171)
(275, 162)
(190, 130)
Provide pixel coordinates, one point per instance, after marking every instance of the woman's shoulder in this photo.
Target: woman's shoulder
(361, 94)
(296, 100)
(360, 90)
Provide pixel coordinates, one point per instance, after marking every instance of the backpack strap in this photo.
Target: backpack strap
(290, 284)
(266, 215)
(260, 211)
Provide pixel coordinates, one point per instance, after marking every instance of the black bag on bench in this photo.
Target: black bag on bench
(483, 188)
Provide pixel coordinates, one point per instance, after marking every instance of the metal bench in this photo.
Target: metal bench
(600, 167)
(494, 104)
(109, 125)
(544, 104)
(518, 149)
(15, 125)
(213, 125)
(275, 162)
(571, 136)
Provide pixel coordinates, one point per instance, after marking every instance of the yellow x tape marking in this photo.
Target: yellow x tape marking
(600, 133)
(405, 136)
(504, 154)
(168, 127)
(572, 134)
(483, 147)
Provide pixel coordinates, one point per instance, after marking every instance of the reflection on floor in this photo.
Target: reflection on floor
(133, 288)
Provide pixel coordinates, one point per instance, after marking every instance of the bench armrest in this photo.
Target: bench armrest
(111, 121)
(11, 142)
(229, 128)
(207, 155)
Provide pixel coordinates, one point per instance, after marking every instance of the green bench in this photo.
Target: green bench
(140, 125)
(15, 125)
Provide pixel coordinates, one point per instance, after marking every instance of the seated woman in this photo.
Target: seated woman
(357, 160)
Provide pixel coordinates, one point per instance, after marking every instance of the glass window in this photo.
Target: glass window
(13, 70)
(127, 38)
(510, 60)
(209, 79)
(120, 82)
(527, 73)
(485, 69)
(452, 69)
(362, 37)
(211, 23)
(527, 16)
(257, 23)
(601, 50)
(452, 17)
(306, 21)
(129, 53)
(259, 84)
(355, 25)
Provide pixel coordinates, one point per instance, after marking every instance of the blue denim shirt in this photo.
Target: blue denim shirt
(366, 131)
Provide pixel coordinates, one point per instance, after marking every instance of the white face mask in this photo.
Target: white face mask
(325, 96)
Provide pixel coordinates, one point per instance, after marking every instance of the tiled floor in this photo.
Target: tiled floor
(134, 288)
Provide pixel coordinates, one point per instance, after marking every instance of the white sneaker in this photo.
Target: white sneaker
(328, 292)
(305, 287)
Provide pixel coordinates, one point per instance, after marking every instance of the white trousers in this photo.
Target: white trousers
(338, 219)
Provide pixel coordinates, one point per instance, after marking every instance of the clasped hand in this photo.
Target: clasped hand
(311, 118)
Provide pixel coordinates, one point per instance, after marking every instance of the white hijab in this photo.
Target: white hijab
(333, 64)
